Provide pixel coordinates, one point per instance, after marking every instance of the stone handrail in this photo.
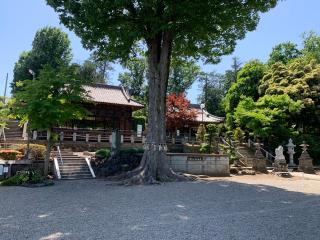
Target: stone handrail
(236, 150)
(270, 157)
(56, 167)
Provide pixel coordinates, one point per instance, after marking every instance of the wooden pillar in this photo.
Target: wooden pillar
(87, 137)
(74, 136)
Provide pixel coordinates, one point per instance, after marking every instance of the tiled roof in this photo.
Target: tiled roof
(102, 93)
(207, 117)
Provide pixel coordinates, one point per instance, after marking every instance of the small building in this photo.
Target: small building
(111, 107)
(188, 132)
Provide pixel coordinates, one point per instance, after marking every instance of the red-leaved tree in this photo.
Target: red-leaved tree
(178, 111)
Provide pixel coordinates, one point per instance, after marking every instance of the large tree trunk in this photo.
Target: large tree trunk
(154, 166)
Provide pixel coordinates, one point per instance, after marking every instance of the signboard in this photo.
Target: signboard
(1, 170)
(195, 159)
(139, 130)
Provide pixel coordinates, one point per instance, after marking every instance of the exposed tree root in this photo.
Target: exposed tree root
(144, 175)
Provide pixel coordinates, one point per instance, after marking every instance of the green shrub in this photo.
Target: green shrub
(131, 151)
(18, 179)
(28, 176)
(103, 154)
(37, 151)
(36, 177)
(10, 154)
(204, 148)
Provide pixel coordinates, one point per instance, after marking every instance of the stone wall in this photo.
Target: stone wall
(19, 165)
(200, 164)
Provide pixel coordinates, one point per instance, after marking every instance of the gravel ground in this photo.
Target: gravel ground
(244, 207)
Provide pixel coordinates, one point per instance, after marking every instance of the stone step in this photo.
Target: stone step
(70, 172)
(73, 170)
(72, 160)
(66, 163)
(73, 166)
(75, 176)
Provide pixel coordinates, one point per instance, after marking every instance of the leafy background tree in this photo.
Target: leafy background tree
(134, 79)
(311, 49)
(284, 53)
(231, 74)
(183, 73)
(281, 99)
(50, 100)
(212, 92)
(50, 46)
(94, 70)
(246, 85)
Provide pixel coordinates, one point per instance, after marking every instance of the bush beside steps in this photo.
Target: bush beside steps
(27, 178)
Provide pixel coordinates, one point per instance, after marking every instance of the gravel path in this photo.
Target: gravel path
(248, 207)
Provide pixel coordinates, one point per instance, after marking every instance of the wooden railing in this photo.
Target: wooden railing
(91, 135)
(103, 135)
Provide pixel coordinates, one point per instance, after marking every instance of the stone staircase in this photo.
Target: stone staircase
(72, 166)
(13, 131)
(247, 156)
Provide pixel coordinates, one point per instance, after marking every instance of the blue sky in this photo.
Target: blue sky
(19, 21)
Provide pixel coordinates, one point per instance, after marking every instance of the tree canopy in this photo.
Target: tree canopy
(311, 49)
(50, 46)
(166, 29)
(183, 74)
(212, 92)
(134, 79)
(284, 52)
(50, 100)
(114, 27)
(246, 85)
(269, 116)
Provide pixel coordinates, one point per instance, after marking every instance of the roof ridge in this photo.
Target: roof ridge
(103, 85)
(126, 94)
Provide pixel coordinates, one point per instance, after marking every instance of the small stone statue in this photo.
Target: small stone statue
(279, 153)
(280, 164)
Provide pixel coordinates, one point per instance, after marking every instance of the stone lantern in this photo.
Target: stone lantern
(259, 164)
(305, 161)
(291, 152)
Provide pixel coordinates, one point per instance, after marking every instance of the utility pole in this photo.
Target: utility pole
(206, 89)
(5, 90)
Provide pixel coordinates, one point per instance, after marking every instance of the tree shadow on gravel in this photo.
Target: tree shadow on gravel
(219, 209)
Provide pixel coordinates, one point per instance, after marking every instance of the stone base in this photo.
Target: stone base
(306, 166)
(259, 165)
(280, 165)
